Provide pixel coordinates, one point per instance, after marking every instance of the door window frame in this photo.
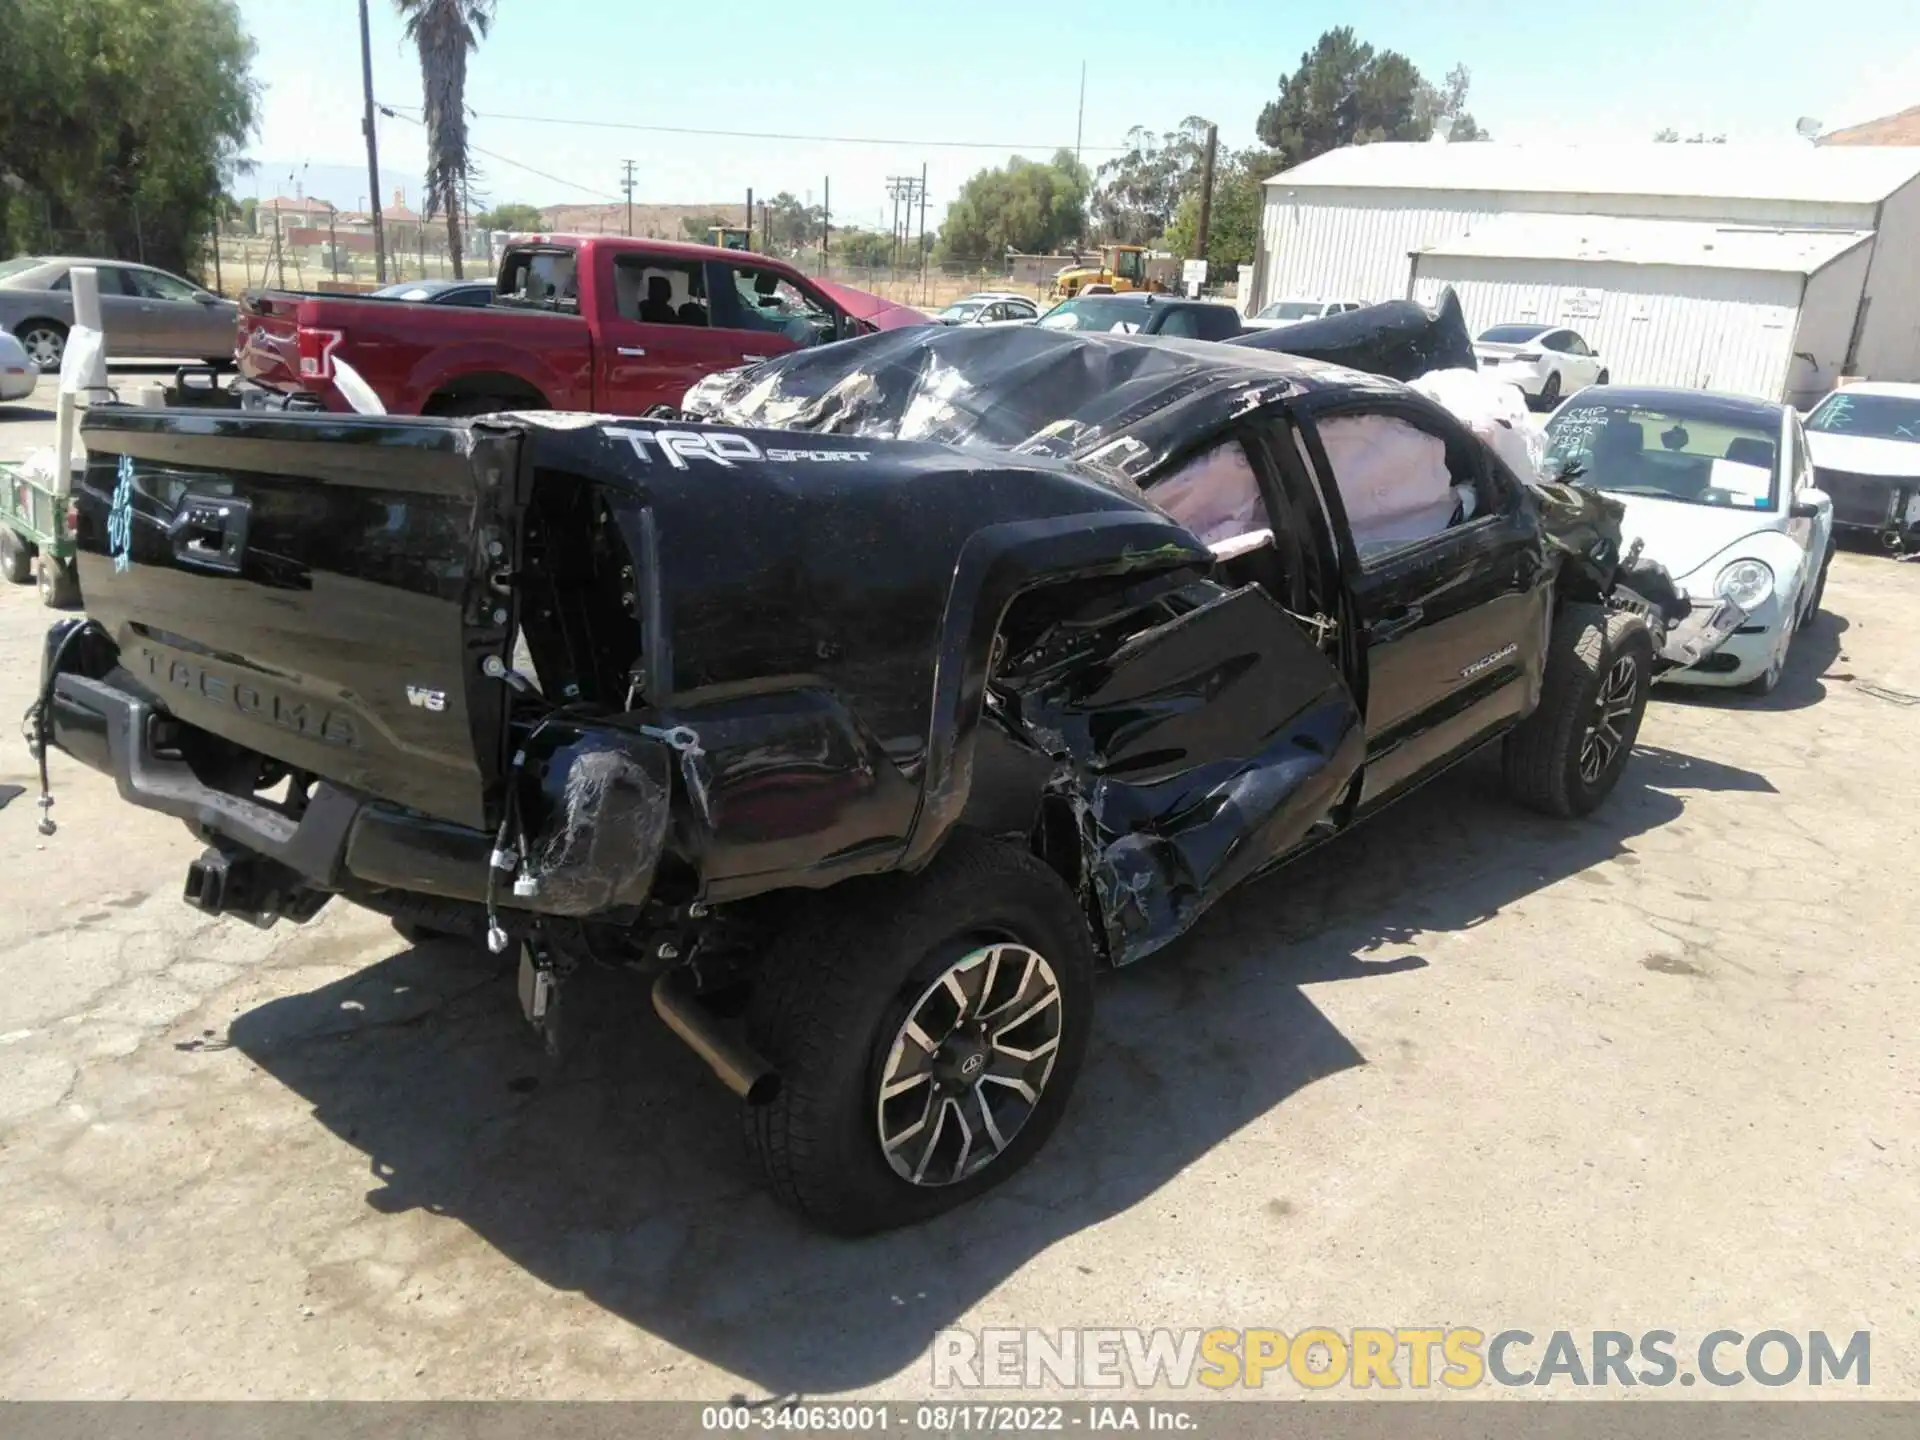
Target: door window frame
(1499, 495)
(843, 324)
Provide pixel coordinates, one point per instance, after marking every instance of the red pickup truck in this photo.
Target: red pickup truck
(596, 322)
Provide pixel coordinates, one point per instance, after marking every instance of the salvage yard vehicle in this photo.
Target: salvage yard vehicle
(596, 322)
(870, 715)
(1291, 312)
(1865, 442)
(1144, 315)
(145, 312)
(1720, 489)
(989, 307)
(1547, 362)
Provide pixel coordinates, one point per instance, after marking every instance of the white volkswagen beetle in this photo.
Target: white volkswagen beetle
(1720, 488)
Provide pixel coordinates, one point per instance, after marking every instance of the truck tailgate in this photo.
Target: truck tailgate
(318, 590)
(267, 348)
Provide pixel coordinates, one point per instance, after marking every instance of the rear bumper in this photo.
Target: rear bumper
(1873, 503)
(339, 842)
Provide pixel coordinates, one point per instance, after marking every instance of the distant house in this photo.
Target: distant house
(1901, 129)
(295, 212)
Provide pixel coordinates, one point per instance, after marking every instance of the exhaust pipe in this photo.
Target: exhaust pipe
(1893, 540)
(739, 1069)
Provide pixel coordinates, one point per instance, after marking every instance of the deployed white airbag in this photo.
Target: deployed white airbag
(1215, 494)
(1393, 479)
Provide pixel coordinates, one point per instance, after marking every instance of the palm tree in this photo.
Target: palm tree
(445, 31)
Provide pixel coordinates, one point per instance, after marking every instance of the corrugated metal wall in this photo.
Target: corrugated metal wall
(1316, 250)
(1336, 243)
(1700, 328)
(1890, 338)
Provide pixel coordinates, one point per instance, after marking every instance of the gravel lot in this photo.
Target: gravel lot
(1466, 1067)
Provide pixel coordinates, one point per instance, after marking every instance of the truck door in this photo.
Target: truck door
(763, 312)
(658, 336)
(1450, 586)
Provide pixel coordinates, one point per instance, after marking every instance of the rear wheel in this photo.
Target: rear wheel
(1567, 756)
(1550, 392)
(16, 557)
(927, 1030)
(59, 586)
(1606, 378)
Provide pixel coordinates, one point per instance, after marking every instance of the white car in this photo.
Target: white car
(18, 373)
(990, 307)
(1720, 490)
(1292, 312)
(1545, 361)
(1865, 441)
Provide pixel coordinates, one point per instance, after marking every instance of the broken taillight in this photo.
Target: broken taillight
(316, 352)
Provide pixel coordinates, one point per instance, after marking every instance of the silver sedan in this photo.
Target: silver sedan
(145, 312)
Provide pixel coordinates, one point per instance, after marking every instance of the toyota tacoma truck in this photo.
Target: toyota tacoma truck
(588, 323)
(869, 719)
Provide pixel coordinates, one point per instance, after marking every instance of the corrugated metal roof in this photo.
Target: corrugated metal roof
(1840, 174)
(1650, 242)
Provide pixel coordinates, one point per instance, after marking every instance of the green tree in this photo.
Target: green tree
(445, 32)
(1443, 108)
(1138, 192)
(1233, 227)
(512, 216)
(863, 249)
(1024, 205)
(121, 123)
(700, 227)
(1347, 93)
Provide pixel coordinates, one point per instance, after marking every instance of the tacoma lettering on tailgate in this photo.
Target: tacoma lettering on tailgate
(246, 697)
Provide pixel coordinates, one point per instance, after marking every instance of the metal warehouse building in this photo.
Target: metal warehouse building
(1764, 271)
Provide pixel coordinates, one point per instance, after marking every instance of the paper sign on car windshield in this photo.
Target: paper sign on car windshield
(1744, 484)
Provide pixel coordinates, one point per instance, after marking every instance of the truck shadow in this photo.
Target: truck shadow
(621, 1174)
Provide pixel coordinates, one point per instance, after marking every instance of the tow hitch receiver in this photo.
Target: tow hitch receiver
(251, 887)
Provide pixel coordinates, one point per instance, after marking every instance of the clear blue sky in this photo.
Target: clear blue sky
(1008, 74)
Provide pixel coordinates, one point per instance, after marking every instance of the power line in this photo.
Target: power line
(391, 114)
(770, 134)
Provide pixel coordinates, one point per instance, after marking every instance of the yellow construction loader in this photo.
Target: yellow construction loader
(1122, 268)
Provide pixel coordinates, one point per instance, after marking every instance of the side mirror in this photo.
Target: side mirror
(1808, 505)
(206, 297)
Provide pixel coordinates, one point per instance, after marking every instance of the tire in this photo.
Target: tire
(16, 557)
(59, 585)
(45, 342)
(831, 1011)
(1591, 659)
(1550, 392)
(1819, 587)
(1768, 680)
(1605, 378)
(455, 406)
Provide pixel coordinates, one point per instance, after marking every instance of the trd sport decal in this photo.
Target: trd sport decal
(718, 447)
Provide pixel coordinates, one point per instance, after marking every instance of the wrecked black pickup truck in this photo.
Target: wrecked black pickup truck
(869, 730)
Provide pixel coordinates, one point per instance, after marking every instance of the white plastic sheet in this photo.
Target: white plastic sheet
(1496, 411)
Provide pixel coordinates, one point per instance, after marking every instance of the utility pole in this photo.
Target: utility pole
(748, 219)
(903, 188)
(626, 184)
(826, 220)
(333, 242)
(1080, 121)
(923, 230)
(1206, 193)
(373, 148)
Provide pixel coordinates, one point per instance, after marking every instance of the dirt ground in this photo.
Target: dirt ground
(1465, 1067)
